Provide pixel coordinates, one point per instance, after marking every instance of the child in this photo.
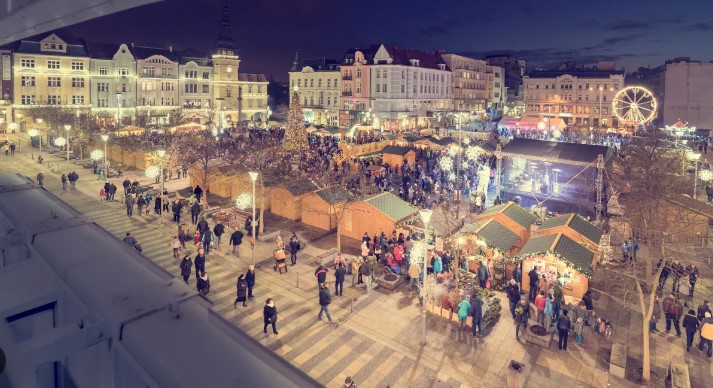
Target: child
(102, 194)
(197, 239)
(578, 326)
(175, 244)
(148, 199)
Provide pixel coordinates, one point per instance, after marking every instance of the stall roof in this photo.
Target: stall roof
(495, 234)
(561, 245)
(300, 187)
(334, 195)
(576, 223)
(395, 150)
(514, 212)
(392, 206)
(553, 151)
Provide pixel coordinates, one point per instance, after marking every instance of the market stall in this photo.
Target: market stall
(287, 198)
(490, 242)
(514, 217)
(395, 155)
(561, 260)
(575, 227)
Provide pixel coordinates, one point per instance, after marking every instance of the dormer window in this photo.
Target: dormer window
(414, 62)
(442, 66)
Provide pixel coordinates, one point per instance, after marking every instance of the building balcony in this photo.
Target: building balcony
(347, 77)
(347, 94)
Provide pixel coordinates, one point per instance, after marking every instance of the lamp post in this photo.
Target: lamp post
(39, 133)
(253, 177)
(161, 153)
(694, 156)
(67, 127)
(106, 140)
(426, 218)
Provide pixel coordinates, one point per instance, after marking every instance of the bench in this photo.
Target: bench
(617, 360)
(326, 258)
(680, 377)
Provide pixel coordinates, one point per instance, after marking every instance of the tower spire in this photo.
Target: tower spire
(225, 37)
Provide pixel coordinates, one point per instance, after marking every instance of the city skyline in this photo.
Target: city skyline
(266, 38)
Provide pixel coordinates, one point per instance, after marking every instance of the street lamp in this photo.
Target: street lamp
(693, 157)
(39, 133)
(253, 177)
(106, 140)
(67, 127)
(161, 153)
(426, 218)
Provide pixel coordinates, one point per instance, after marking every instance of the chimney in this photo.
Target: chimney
(170, 48)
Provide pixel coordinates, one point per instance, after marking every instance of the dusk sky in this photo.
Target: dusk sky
(269, 32)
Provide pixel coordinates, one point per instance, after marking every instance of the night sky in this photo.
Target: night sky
(268, 32)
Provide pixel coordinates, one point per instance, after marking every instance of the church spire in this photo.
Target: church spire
(225, 38)
(296, 62)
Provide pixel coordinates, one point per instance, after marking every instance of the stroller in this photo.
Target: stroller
(280, 256)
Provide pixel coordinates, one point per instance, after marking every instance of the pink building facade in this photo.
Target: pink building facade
(354, 102)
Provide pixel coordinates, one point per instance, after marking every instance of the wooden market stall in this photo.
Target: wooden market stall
(286, 199)
(514, 217)
(561, 259)
(395, 155)
(575, 227)
(382, 212)
(492, 243)
(230, 181)
(322, 208)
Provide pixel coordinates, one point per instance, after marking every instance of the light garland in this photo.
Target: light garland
(418, 252)
(244, 201)
(60, 141)
(446, 163)
(705, 175)
(96, 155)
(153, 171)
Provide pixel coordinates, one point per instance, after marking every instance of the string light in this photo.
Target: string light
(295, 134)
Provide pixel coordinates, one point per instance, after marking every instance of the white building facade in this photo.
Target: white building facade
(317, 82)
(112, 83)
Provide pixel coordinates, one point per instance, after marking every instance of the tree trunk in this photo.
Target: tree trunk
(261, 224)
(339, 237)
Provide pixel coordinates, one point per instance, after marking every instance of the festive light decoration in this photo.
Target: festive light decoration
(418, 251)
(466, 141)
(542, 255)
(705, 175)
(446, 163)
(557, 133)
(634, 104)
(472, 153)
(295, 134)
(97, 155)
(153, 171)
(244, 201)
(452, 176)
(60, 141)
(454, 151)
(33, 132)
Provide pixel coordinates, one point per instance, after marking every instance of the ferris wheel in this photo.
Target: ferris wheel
(634, 104)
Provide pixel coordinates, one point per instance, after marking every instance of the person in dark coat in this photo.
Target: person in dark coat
(195, 211)
(269, 314)
(112, 191)
(522, 315)
(203, 226)
(107, 189)
(177, 207)
(140, 203)
(483, 274)
(321, 274)
(250, 279)
(294, 247)
(242, 287)
(186, 266)
(693, 275)
(513, 293)
(203, 284)
(563, 326)
(198, 192)
(325, 299)
(340, 273)
(476, 312)
(218, 231)
(157, 204)
(199, 262)
(691, 324)
(235, 240)
(517, 274)
(589, 305)
(534, 282)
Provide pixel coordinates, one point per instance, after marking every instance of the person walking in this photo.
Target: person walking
(414, 273)
(476, 313)
(588, 305)
(578, 330)
(483, 274)
(294, 247)
(549, 310)
(693, 275)
(321, 274)
(218, 231)
(195, 212)
(198, 192)
(107, 190)
(707, 334)
(463, 310)
(64, 182)
(534, 282)
(207, 240)
(157, 204)
(199, 262)
(563, 326)
(186, 266)
(242, 287)
(203, 284)
(235, 240)
(129, 240)
(140, 203)
(522, 315)
(269, 315)
(437, 265)
(112, 188)
(129, 202)
(40, 178)
(356, 266)
(366, 273)
(655, 315)
(673, 310)
(339, 274)
(325, 299)
(540, 302)
(175, 245)
(691, 324)
(177, 207)
(677, 272)
(703, 309)
(512, 290)
(250, 279)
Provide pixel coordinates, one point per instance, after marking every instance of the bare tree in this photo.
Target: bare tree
(202, 150)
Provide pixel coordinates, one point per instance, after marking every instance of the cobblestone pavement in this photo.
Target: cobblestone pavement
(378, 343)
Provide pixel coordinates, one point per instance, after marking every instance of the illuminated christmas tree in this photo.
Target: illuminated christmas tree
(295, 134)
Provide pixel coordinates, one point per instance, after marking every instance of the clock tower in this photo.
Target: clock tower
(225, 71)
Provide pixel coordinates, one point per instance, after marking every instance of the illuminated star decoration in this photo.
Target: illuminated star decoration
(96, 155)
(452, 176)
(557, 133)
(466, 141)
(418, 251)
(244, 201)
(60, 141)
(153, 171)
(454, 151)
(446, 163)
(472, 153)
(705, 175)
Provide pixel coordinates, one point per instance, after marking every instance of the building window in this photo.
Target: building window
(51, 64)
(329, 83)
(77, 65)
(77, 100)
(103, 71)
(27, 63)
(259, 89)
(358, 87)
(384, 88)
(299, 82)
(123, 71)
(123, 88)
(311, 82)
(378, 73)
(53, 81)
(53, 100)
(358, 73)
(206, 88)
(28, 99)
(206, 75)
(191, 74)
(77, 82)
(102, 87)
(149, 71)
(28, 81)
(167, 71)
(250, 89)
(403, 88)
(227, 93)
(190, 88)
(102, 102)
(319, 83)
(378, 88)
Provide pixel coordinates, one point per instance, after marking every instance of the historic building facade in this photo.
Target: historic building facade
(317, 82)
(112, 83)
(469, 84)
(355, 72)
(195, 80)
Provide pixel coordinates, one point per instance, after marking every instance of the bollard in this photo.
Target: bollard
(351, 307)
(298, 280)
